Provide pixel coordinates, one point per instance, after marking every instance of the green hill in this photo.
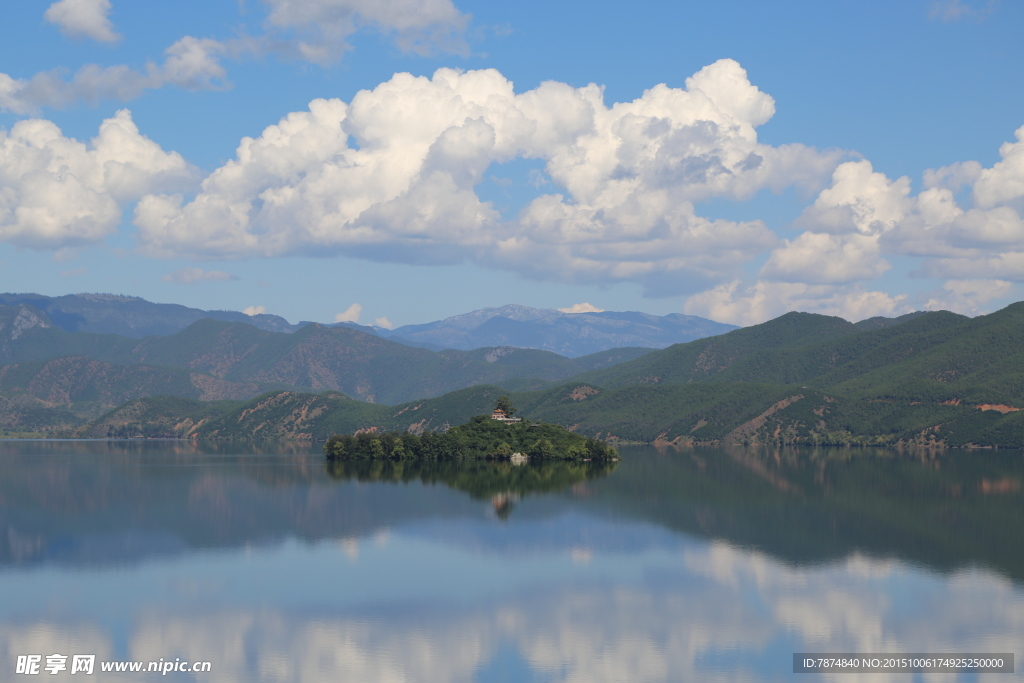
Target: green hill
(930, 357)
(703, 359)
(932, 378)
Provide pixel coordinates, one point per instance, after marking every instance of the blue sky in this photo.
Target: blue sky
(734, 160)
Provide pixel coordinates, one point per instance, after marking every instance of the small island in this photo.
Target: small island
(498, 436)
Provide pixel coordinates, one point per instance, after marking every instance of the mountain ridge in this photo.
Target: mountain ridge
(934, 380)
(568, 334)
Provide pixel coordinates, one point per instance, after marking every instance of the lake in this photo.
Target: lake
(693, 565)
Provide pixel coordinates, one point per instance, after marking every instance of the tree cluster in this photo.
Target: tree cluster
(481, 437)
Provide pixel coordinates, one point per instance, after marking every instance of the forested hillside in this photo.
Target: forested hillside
(929, 379)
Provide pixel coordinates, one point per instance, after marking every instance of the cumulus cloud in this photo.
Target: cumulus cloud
(981, 241)
(968, 296)
(1004, 182)
(864, 216)
(192, 63)
(392, 175)
(58, 192)
(321, 28)
(350, 314)
(859, 200)
(254, 310)
(582, 308)
(822, 258)
(83, 18)
(188, 276)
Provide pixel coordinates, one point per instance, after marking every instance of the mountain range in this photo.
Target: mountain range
(567, 334)
(928, 378)
(44, 366)
(935, 379)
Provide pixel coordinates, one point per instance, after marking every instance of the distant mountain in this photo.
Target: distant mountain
(131, 316)
(567, 334)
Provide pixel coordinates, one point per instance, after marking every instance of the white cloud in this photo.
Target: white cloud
(642, 631)
(983, 241)
(734, 303)
(860, 200)
(822, 258)
(88, 18)
(322, 27)
(1004, 182)
(392, 176)
(188, 276)
(954, 176)
(384, 322)
(190, 63)
(968, 296)
(254, 310)
(193, 63)
(310, 30)
(57, 192)
(582, 308)
(350, 314)
(955, 10)
(864, 216)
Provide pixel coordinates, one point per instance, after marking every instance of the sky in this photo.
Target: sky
(395, 162)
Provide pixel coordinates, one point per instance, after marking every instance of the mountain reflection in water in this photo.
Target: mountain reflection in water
(676, 565)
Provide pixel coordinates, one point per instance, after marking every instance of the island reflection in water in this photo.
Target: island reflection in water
(693, 565)
(503, 482)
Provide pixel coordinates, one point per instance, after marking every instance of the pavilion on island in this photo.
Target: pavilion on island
(500, 415)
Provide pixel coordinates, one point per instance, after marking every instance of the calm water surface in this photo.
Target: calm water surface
(699, 565)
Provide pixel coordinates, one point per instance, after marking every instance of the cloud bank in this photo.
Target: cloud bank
(392, 175)
(395, 174)
(863, 216)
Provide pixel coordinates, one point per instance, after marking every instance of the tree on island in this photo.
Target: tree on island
(504, 404)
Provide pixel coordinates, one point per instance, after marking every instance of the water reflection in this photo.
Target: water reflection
(704, 564)
(723, 614)
(945, 510)
(504, 483)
